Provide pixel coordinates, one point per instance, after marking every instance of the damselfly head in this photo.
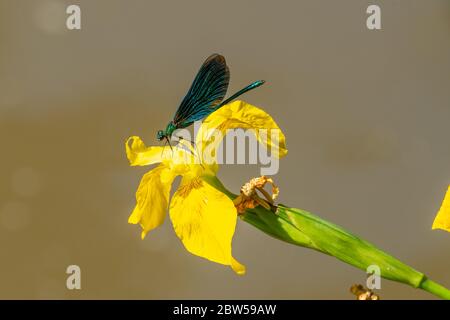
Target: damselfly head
(160, 135)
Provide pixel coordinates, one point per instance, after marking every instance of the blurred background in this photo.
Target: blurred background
(366, 115)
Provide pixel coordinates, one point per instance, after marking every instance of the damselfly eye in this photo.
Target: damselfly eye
(160, 135)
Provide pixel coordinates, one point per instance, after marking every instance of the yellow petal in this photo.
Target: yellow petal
(442, 220)
(140, 155)
(177, 158)
(240, 114)
(237, 267)
(205, 219)
(152, 199)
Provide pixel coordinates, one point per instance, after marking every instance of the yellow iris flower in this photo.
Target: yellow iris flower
(442, 220)
(203, 217)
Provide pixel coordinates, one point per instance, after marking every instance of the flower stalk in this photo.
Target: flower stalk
(305, 229)
(302, 228)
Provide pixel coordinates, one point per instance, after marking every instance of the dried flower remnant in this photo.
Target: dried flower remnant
(249, 198)
(363, 293)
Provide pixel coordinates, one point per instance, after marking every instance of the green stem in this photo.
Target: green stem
(302, 228)
(435, 288)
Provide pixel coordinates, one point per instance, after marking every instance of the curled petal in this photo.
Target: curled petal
(152, 199)
(205, 219)
(442, 220)
(176, 157)
(140, 155)
(237, 267)
(240, 114)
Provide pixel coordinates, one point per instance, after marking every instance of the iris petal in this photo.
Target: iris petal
(152, 199)
(442, 220)
(205, 219)
(240, 114)
(140, 155)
